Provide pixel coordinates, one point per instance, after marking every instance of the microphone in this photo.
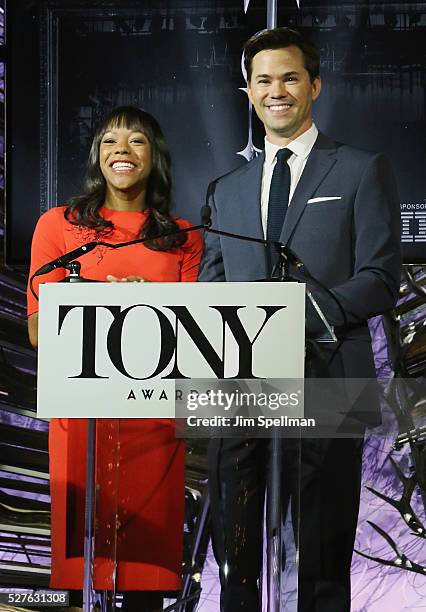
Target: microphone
(64, 260)
(206, 210)
(286, 255)
(206, 215)
(67, 258)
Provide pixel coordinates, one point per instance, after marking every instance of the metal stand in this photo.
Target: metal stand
(274, 508)
(273, 496)
(89, 511)
(88, 591)
(191, 591)
(273, 526)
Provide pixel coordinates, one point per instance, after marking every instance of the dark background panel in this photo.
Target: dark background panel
(22, 129)
(181, 61)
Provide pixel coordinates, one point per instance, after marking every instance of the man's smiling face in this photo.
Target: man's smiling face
(282, 93)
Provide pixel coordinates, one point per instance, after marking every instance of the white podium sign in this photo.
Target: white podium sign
(116, 349)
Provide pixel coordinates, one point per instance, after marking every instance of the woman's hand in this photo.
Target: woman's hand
(33, 329)
(127, 279)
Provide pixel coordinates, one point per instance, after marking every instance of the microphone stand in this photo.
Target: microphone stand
(273, 494)
(89, 519)
(74, 268)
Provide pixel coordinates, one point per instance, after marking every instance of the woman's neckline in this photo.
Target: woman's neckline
(114, 210)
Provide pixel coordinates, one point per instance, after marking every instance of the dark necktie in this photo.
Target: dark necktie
(278, 200)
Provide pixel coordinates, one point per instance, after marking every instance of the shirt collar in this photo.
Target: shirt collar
(301, 146)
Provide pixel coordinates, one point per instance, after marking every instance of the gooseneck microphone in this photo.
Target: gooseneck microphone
(64, 260)
(206, 215)
(67, 258)
(286, 256)
(206, 212)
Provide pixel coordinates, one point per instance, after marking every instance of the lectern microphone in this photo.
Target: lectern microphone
(64, 260)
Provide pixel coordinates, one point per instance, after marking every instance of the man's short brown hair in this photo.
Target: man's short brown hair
(280, 38)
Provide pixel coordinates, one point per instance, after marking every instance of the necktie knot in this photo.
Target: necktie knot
(283, 155)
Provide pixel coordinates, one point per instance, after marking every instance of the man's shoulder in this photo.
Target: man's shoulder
(235, 174)
(345, 152)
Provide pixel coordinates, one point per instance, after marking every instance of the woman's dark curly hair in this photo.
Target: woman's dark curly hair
(84, 209)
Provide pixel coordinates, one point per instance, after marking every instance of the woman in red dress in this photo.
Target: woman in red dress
(127, 194)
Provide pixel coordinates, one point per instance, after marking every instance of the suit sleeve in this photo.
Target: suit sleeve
(212, 266)
(374, 285)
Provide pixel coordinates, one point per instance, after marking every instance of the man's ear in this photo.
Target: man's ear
(316, 88)
(249, 91)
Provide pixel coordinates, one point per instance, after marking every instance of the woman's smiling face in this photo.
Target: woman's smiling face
(125, 159)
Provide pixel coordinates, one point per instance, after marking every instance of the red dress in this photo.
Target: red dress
(149, 493)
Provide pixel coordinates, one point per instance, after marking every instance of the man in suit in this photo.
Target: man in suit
(337, 208)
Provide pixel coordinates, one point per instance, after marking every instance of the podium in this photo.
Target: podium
(137, 351)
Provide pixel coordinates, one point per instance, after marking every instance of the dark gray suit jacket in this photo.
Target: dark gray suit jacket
(350, 244)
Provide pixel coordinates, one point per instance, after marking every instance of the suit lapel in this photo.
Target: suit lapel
(320, 161)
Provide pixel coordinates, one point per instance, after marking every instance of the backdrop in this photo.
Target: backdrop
(71, 61)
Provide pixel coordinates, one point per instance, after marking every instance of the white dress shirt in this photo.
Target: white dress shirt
(301, 147)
